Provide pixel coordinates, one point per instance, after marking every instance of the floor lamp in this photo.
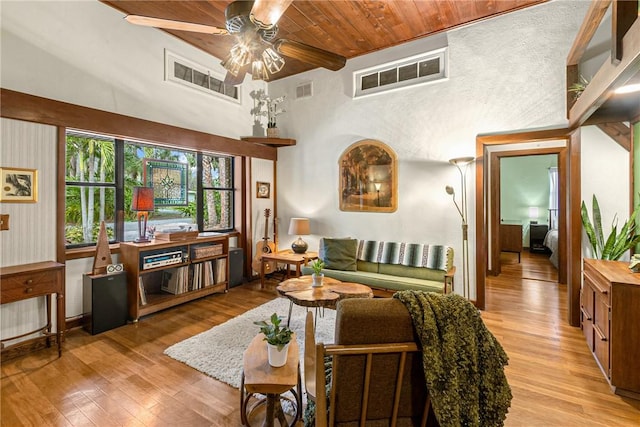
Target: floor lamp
(462, 163)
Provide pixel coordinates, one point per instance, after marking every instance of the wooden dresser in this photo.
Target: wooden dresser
(610, 318)
(511, 238)
(20, 282)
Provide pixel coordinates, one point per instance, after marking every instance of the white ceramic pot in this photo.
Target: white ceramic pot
(277, 358)
(316, 280)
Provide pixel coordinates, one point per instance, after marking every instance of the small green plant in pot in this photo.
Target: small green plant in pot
(277, 338)
(317, 275)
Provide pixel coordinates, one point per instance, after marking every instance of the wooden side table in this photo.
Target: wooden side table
(287, 257)
(258, 377)
(20, 282)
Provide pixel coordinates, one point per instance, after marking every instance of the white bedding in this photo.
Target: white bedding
(551, 241)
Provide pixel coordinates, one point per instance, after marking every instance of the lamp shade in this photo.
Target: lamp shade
(299, 226)
(142, 199)
(533, 212)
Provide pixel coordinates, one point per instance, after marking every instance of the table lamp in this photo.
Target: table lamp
(299, 227)
(142, 202)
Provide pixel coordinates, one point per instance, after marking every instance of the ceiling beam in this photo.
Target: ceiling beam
(619, 132)
(588, 28)
(22, 106)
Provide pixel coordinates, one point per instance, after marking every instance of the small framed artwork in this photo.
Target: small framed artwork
(18, 185)
(263, 190)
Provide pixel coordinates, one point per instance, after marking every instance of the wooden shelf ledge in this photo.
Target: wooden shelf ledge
(273, 142)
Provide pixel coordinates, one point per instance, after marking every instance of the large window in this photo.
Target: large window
(191, 190)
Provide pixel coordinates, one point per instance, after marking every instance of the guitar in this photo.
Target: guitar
(264, 247)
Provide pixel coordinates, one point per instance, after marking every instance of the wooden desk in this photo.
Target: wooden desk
(21, 282)
(258, 377)
(287, 257)
(511, 238)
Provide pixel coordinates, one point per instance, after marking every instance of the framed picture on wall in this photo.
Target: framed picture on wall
(263, 190)
(18, 185)
(368, 178)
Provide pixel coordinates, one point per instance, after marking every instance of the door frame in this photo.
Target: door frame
(494, 266)
(572, 233)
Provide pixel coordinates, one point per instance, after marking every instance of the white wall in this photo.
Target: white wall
(32, 226)
(84, 53)
(505, 73)
(605, 173)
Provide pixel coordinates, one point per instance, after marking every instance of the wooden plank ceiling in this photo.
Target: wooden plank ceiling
(347, 27)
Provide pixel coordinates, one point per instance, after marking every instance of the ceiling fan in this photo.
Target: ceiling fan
(254, 25)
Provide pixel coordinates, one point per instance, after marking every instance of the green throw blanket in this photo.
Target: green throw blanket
(463, 362)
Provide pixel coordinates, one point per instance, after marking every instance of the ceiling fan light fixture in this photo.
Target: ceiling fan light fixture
(259, 71)
(272, 60)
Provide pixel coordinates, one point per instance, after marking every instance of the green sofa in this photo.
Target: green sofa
(387, 267)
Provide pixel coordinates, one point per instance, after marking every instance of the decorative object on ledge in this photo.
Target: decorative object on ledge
(142, 202)
(177, 236)
(462, 163)
(103, 253)
(18, 185)
(368, 178)
(299, 227)
(578, 87)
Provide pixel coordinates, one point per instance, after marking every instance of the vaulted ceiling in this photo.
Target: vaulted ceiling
(347, 27)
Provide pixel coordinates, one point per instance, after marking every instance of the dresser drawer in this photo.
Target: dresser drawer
(21, 286)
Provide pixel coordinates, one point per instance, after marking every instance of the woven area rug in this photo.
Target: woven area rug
(218, 351)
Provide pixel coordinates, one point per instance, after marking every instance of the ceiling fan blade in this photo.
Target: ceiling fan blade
(266, 13)
(168, 24)
(310, 54)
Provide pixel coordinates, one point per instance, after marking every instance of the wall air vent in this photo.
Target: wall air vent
(188, 73)
(304, 90)
(420, 69)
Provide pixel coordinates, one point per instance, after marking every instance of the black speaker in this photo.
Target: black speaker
(236, 266)
(104, 301)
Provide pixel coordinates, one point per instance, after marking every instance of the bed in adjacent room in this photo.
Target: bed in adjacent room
(551, 242)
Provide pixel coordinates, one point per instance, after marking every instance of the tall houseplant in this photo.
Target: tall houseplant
(616, 244)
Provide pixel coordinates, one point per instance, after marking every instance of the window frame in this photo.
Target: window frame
(119, 183)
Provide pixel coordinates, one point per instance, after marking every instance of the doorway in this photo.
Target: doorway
(527, 205)
(489, 149)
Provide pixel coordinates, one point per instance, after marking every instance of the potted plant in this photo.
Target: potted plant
(277, 338)
(272, 111)
(616, 244)
(317, 275)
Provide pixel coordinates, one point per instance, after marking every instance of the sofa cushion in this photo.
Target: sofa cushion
(339, 254)
(414, 272)
(371, 267)
(385, 281)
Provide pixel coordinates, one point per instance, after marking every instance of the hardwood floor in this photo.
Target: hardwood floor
(121, 377)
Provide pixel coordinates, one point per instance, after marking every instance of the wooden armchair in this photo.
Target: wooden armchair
(376, 376)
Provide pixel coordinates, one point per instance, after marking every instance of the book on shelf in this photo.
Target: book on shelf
(175, 280)
(143, 294)
(221, 270)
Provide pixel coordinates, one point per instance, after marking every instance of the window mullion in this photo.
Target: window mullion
(119, 178)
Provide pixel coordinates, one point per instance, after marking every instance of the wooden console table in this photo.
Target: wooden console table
(21, 282)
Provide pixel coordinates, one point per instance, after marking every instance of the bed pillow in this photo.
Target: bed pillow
(339, 254)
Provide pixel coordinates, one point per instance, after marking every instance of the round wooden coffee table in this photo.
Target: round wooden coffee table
(300, 292)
